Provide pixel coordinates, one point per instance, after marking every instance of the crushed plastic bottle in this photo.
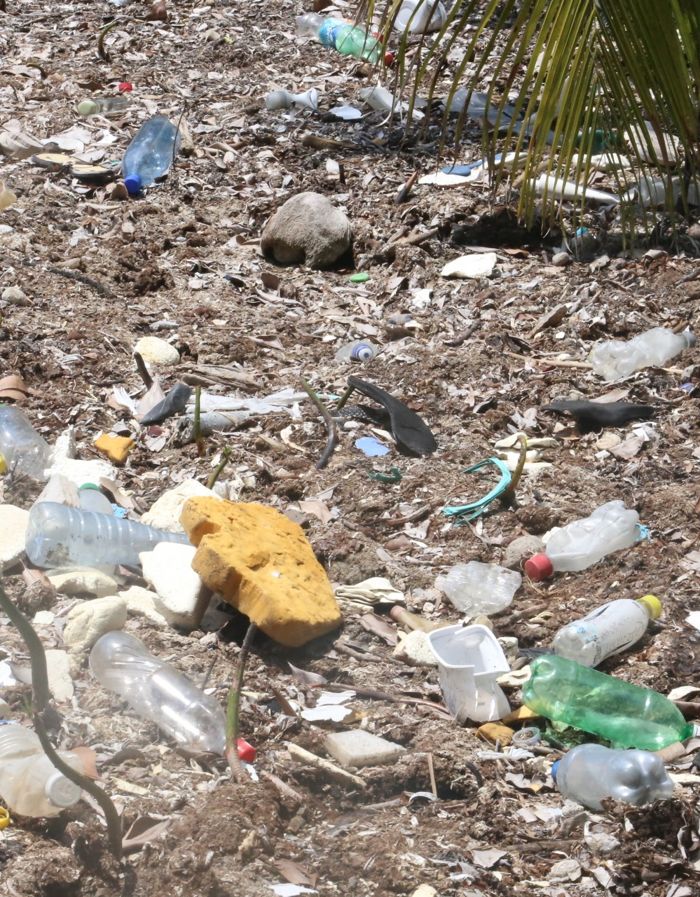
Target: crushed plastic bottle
(420, 16)
(477, 588)
(609, 629)
(29, 782)
(591, 773)
(24, 452)
(622, 713)
(582, 543)
(101, 106)
(150, 154)
(283, 99)
(58, 536)
(346, 38)
(158, 692)
(615, 359)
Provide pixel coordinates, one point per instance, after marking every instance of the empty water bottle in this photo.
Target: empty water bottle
(613, 359)
(607, 630)
(150, 154)
(29, 782)
(101, 106)
(477, 588)
(361, 350)
(22, 450)
(92, 498)
(158, 692)
(420, 16)
(348, 39)
(58, 536)
(622, 713)
(584, 542)
(590, 773)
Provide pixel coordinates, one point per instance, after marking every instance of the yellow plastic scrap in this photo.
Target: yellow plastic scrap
(4, 818)
(3, 464)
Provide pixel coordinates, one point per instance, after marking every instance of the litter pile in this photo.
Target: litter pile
(356, 565)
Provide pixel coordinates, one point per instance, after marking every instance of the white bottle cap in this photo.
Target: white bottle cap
(61, 791)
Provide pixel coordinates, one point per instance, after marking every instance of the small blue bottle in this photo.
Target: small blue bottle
(150, 153)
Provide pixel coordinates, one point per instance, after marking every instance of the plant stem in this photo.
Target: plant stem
(233, 706)
(42, 697)
(197, 426)
(103, 54)
(331, 428)
(508, 496)
(216, 473)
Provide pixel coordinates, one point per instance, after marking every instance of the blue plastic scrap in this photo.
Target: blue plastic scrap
(476, 508)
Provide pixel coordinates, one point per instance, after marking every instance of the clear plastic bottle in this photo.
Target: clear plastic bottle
(622, 713)
(101, 106)
(29, 782)
(58, 536)
(157, 691)
(150, 154)
(614, 359)
(361, 350)
(92, 498)
(582, 543)
(590, 773)
(607, 630)
(346, 38)
(420, 16)
(477, 588)
(23, 450)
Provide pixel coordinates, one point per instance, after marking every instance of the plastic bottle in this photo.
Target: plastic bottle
(613, 359)
(590, 773)
(346, 38)
(150, 154)
(477, 588)
(92, 498)
(101, 106)
(622, 713)
(420, 16)
(582, 543)
(283, 99)
(58, 536)
(159, 692)
(22, 449)
(29, 782)
(361, 350)
(607, 630)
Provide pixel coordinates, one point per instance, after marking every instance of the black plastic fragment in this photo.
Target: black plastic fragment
(412, 434)
(591, 416)
(175, 402)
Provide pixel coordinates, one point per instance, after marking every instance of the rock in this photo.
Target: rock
(79, 472)
(15, 296)
(83, 581)
(561, 259)
(360, 748)
(165, 512)
(88, 621)
(142, 603)
(424, 891)
(520, 549)
(116, 448)
(415, 649)
(13, 531)
(260, 562)
(156, 351)
(60, 679)
(181, 597)
(694, 231)
(472, 266)
(307, 228)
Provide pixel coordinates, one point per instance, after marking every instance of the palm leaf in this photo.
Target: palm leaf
(570, 69)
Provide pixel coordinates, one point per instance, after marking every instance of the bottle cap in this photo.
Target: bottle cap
(88, 107)
(61, 791)
(539, 567)
(246, 752)
(90, 486)
(133, 185)
(554, 770)
(652, 605)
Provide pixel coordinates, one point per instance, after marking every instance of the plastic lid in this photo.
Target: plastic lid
(539, 567)
(555, 769)
(652, 605)
(90, 486)
(61, 791)
(133, 184)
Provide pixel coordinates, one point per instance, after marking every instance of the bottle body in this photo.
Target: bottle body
(420, 16)
(346, 38)
(29, 783)
(58, 536)
(101, 106)
(624, 714)
(477, 588)
(150, 153)
(23, 450)
(613, 359)
(591, 773)
(158, 692)
(607, 630)
(585, 542)
(92, 499)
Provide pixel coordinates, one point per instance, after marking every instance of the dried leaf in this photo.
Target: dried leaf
(487, 859)
(142, 831)
(294, 873)
(13, 388)
(380, 627)
(305, 677)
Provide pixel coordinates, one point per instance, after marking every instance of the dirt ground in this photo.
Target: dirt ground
(183, 263)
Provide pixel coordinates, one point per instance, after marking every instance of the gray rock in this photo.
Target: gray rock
(14, 296)
(520, 549)
(561, 259)
(309, 229)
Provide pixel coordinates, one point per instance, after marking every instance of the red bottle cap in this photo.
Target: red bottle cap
(539, 567)
(125, 86)
(246, 752)
(389, 58)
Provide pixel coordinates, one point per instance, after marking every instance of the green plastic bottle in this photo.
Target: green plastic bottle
(624, 714)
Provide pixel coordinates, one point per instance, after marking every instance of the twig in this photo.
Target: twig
(233, 708)
(197, 426)
(331, 428)
(345, 396)
(431, 770)
(405, 191)
(330, 769)
(143, 370)
(95, 285)
(216, 473)
(102, 53)
(508, 496)
(284, 789)
(42, 698)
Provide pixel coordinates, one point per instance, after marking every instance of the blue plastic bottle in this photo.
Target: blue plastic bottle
(150, 154)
